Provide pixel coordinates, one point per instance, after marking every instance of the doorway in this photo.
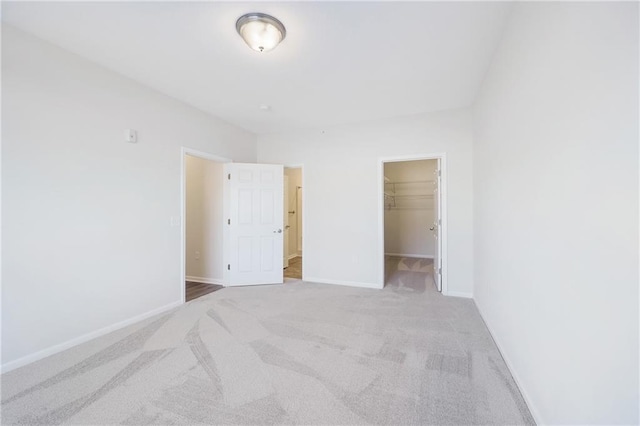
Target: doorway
(412, 224)
(203, 210)
(293, 223)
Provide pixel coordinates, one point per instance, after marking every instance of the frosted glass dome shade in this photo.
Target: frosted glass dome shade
(261, 32)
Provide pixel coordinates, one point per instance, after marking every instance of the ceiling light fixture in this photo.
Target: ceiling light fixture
(260, 31)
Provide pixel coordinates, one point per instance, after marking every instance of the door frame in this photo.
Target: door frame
(443, 212)
(304, 213)
(285, 215)
(184, 151)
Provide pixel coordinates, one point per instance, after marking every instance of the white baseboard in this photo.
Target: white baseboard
(28, 359)
(419, 256)
(535, 413)
(202, 280)
(293, 256)
(459, 294)
(340, 282)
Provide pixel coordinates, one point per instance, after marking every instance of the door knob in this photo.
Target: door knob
(279, 231)
(432, 228)
(287, 227)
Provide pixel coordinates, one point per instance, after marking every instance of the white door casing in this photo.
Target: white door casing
(437, 229)
(255, 223)
(299, 218)
(285, 218)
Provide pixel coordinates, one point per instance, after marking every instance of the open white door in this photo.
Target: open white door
(436, 228)
(255, 223)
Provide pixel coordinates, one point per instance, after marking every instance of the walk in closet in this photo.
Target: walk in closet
(410, 216)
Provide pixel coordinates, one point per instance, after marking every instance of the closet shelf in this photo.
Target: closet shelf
(407, 182)
(408, 208)
(408, 194)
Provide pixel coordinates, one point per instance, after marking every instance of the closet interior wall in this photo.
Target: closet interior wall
(409, 211)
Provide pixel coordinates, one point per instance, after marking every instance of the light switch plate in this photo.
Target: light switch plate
(130, 136)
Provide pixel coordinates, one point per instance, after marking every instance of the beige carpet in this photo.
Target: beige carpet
(299, 353)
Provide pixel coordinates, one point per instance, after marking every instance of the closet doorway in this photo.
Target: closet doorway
(293, 222)
(412, 223)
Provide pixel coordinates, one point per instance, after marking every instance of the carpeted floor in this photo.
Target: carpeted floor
(299, 353)
(394, 265)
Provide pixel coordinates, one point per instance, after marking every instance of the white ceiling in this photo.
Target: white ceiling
(340, 62)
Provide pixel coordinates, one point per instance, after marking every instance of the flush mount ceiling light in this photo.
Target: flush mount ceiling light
(260, 31)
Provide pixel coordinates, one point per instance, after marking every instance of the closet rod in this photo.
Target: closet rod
(409, 208)
(408, 182)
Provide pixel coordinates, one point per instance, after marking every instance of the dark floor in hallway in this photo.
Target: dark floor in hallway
(195, 290)
(295, 268)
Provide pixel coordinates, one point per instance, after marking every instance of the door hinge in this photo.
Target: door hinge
(439, 221)
(439, 271)
(229, 176)
(439, 173)
(228, 267)
(228, 221)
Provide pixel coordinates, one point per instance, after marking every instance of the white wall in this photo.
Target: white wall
(556, 208)
(342, 186)
(406, 225)
(204, 220)
(295, 180)
(87, 238)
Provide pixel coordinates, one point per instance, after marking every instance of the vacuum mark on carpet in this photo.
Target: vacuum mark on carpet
(119, 349)
(68, 410)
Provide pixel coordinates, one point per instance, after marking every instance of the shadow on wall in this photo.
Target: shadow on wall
(204, 220)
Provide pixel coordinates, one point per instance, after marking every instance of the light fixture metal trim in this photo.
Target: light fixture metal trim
(263, 18)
